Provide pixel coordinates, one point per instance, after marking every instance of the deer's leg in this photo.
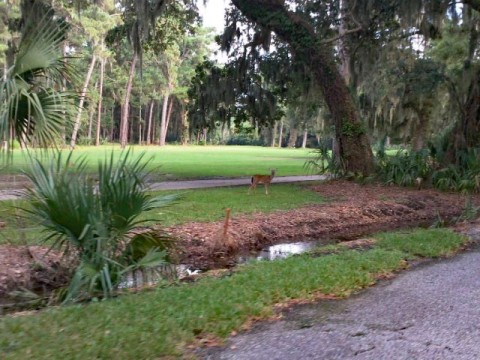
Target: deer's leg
(266, 188)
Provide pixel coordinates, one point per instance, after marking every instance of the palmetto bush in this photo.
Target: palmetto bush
(96, 221)
(32, 102)
(464, 176)
(324, 162)
(404, 167)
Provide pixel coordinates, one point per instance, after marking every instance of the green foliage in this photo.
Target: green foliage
(244, 139)
(94, 221)
(169, 318)
(423, 168)
(220, 94)
(404, 168)
(29, 100)
(463, 176)
(324, 162)
(84, 141)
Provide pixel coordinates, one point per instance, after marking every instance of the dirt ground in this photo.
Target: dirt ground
(351, 211)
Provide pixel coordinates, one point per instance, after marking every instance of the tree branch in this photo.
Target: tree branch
(339, 36)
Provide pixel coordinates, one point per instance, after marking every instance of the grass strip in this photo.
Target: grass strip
(206, 205)
(201, 205)
(160, 323)
(429, 243)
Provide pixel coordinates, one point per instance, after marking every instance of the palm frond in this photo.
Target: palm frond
(31, 97)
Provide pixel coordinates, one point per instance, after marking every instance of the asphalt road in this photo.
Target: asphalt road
(430, 312)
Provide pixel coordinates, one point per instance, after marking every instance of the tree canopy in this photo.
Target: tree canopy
(366, 69)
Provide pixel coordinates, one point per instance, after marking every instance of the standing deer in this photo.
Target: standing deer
(262, 179)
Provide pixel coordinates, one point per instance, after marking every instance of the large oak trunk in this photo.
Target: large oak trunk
(354, 146)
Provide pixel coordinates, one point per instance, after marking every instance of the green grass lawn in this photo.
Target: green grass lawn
(186, 162)
(162, 322)
(192, 205)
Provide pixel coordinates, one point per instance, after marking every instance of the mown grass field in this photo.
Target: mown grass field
(164, 321)
(187, 162)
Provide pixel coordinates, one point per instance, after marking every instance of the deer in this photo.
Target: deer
(262, 179)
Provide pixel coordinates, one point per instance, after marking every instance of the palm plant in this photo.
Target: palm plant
(33, 103)
(97, 222)
(324, 161)
(404, 168)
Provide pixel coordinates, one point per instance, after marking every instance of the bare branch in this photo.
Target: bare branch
(339, 36)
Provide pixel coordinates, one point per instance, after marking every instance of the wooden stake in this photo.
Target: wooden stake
(227, 220)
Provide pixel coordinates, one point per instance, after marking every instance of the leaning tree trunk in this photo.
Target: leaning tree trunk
(126, 104)
(90, 117)
(100, 100)
(354, 146)
(76, 126)
(304, 140)
(167, 122)
(163, 123)
(149, 130)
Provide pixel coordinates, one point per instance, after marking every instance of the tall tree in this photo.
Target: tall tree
(308, 49)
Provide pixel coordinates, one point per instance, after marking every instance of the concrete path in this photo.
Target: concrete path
(209, 183)
(432, 312)
(191, 184)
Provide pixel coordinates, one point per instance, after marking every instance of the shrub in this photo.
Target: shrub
(404, 167)
(244, 139)
(96, 221)
(84, 141)
(324, 161)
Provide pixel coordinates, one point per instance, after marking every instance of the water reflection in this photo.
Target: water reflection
(281, 251)
(141, 278)
(149, 277)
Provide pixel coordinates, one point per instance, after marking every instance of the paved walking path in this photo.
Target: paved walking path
(191, 184)
(197, 184)
(431, 312)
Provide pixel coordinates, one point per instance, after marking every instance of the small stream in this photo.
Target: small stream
(281, 251)
(151, 277)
